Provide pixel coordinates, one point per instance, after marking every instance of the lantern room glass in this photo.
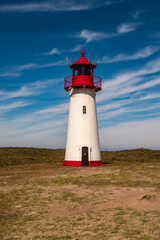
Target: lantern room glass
(82, 70)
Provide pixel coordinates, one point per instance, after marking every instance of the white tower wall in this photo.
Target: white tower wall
(82, 128)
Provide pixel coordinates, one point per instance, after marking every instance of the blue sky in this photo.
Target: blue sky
(35, 39)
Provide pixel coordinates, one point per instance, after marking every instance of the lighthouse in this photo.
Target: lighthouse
(82, 145)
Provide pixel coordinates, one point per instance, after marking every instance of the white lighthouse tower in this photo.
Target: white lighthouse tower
(82, 146)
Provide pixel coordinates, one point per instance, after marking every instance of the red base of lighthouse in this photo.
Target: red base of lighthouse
(78, 164)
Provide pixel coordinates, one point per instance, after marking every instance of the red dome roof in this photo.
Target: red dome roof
(82, 61)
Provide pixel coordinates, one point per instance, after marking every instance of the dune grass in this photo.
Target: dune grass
(20, 156)
(135, 155)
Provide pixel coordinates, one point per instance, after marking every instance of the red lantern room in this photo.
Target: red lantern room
(82, 75)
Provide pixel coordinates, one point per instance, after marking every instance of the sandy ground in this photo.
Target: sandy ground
(114, 202)
(137, 198)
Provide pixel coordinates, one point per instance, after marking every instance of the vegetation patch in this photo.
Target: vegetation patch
(20, 156)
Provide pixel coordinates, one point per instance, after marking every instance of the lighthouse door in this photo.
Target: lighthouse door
(84, 156)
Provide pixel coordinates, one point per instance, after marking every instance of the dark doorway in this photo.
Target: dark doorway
(84, 156)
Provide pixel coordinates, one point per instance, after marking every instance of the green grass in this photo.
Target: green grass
(135, 155)
(21, 156)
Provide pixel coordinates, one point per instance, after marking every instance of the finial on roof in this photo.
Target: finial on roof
(83, 53)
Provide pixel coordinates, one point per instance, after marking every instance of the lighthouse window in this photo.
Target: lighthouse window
(83, 70)
(80, 69)
(84, 109)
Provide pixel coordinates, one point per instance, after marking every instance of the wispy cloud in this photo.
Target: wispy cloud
(31, 89)
(150, 96)
(52, 64)
(31, 130)
(76, 48)
(10, 74)
(53, 51)
(137, 13)
(111, 114)
(110, 2)
(114, 105)
(34, 126)
(12, 106)
(22, 92)
(91, 36)
(127, 27)
(59, 109)
(140, 54)
(139, 87)
(130, 109)
(24, 67)
(127, 99)
(16, 71)
(45, 83)
(52, 6)
(130, 82)
(129, 135)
